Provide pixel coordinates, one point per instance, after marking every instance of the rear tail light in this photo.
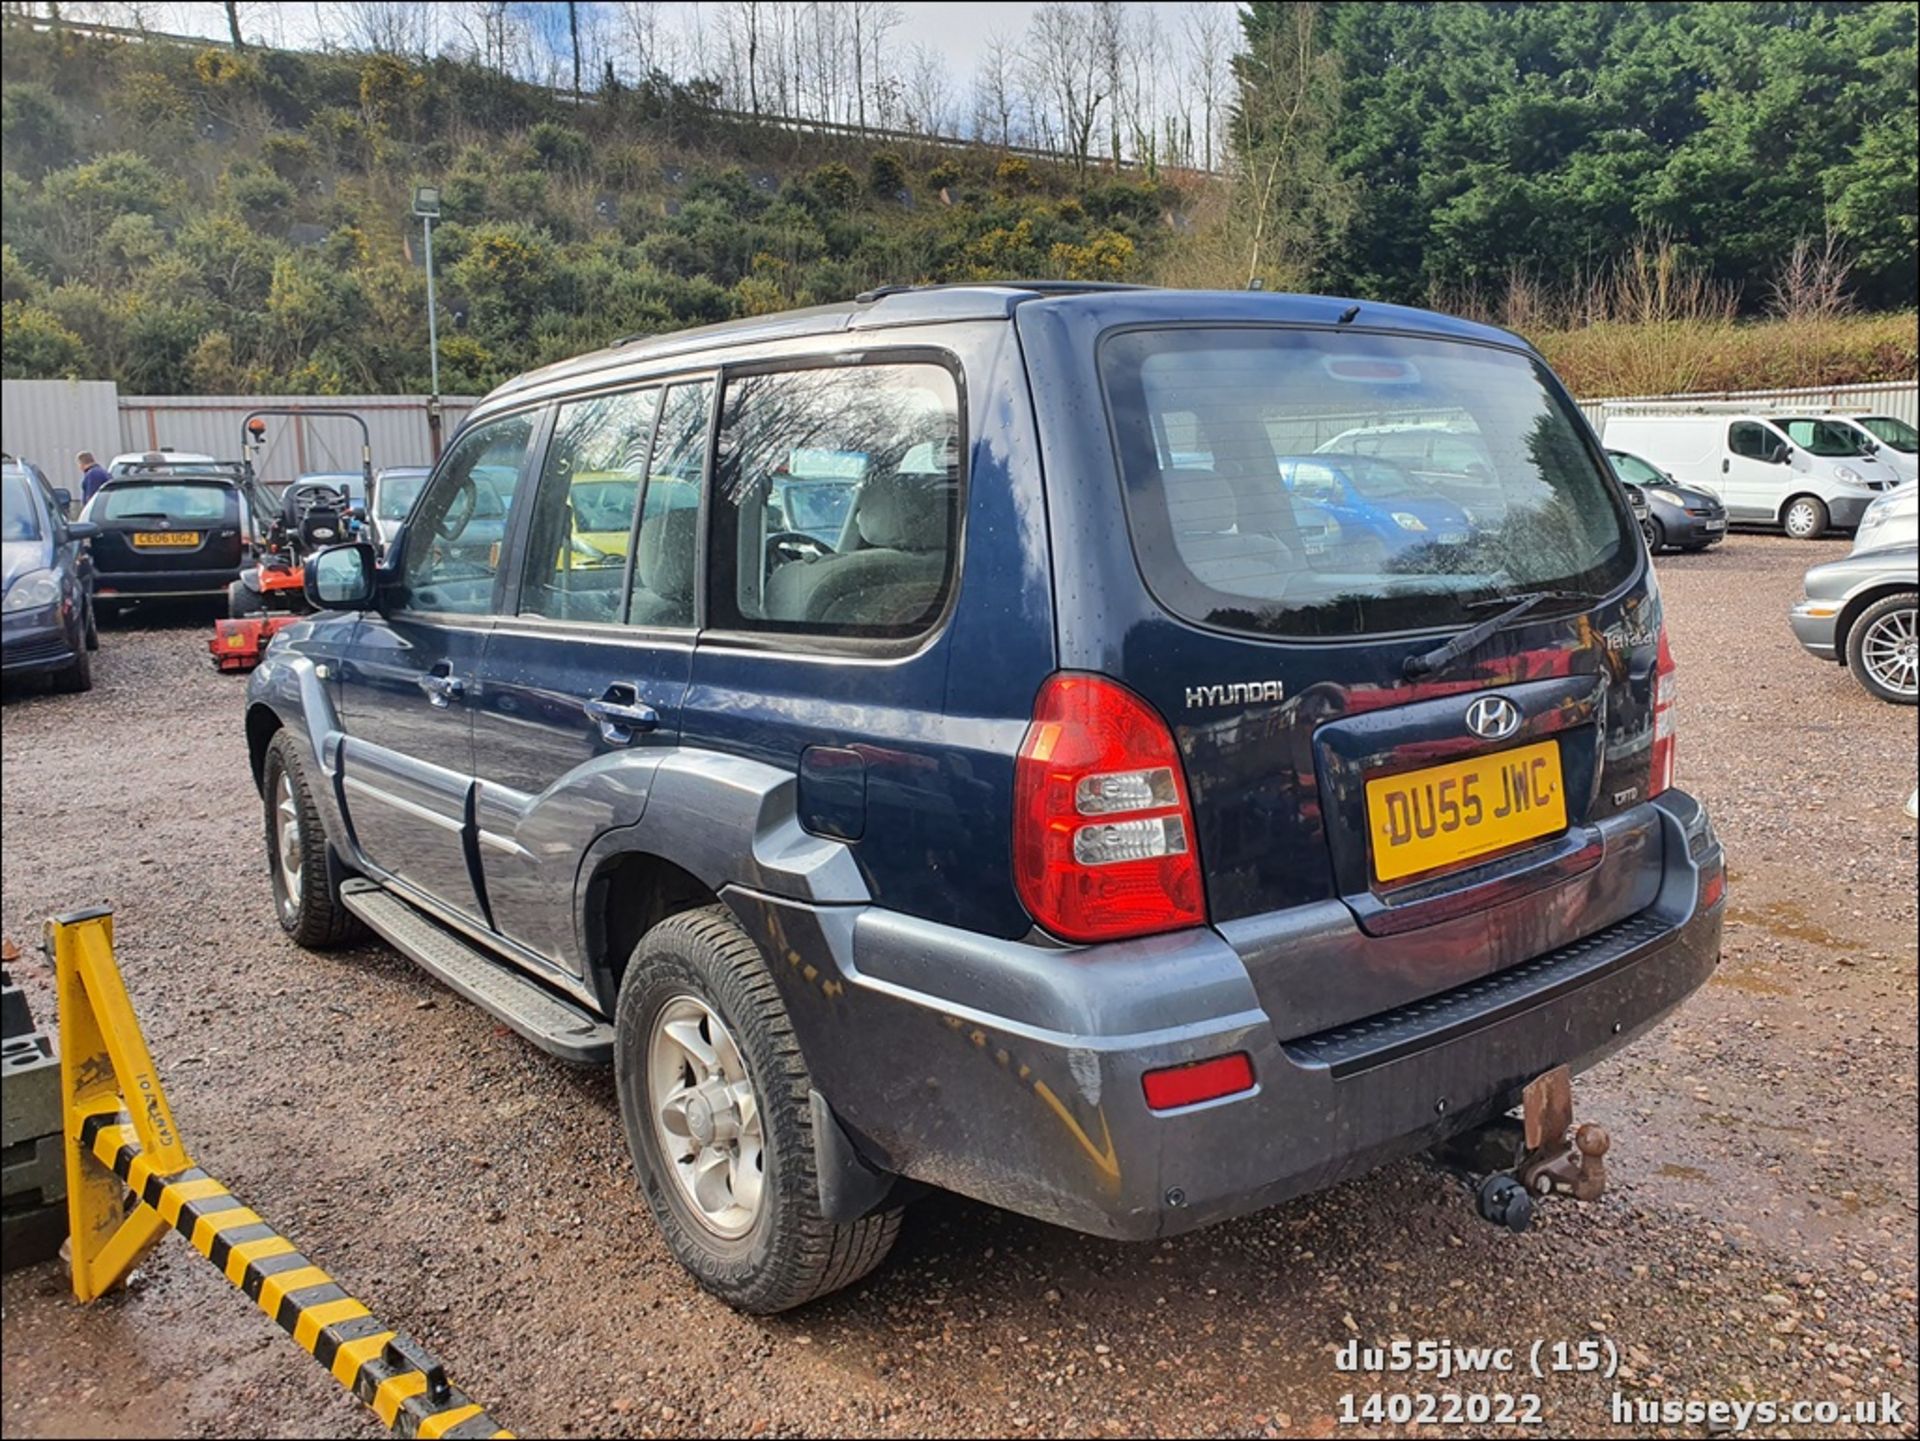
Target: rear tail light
(1201, 1081)
(1103, 840)
(1663, 689)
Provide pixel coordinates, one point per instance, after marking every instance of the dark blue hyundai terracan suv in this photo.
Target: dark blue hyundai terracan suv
(1063, 829)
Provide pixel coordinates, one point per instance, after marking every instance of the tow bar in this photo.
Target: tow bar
(1507, 1163)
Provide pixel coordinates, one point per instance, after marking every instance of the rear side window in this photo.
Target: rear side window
(837, 510)
(1294, 482)
(167, 501)
(582, 532)
(460, 526)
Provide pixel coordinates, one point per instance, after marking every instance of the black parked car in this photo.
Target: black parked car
(47, 625)
(170, 532)
(1669, 513)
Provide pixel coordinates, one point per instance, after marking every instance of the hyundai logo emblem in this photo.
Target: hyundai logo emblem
(1493, 718)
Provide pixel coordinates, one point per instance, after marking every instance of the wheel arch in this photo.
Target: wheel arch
(1857, 606)
(627, 894)
(1780, 516)
(263, 721)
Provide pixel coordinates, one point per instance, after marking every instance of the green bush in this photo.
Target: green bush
(886, 174)
(944, 176)
(33, 345)
(560, 147)
(36, 129)
(835, 186)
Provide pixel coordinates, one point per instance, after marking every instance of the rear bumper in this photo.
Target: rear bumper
(163, 584)
(1011, 1072)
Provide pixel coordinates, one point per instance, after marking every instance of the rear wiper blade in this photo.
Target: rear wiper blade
(1513, 607)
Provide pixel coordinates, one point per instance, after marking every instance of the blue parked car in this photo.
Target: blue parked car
(1376, 501)
(1062, 829)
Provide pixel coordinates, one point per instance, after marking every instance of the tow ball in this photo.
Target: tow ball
(1508, 1163)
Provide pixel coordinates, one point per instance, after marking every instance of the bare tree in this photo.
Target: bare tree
(873, 20)
(1812, 282)
(1112, 35)
(386, 27)
(994, 99)
(1066, 72)
(929, 94)
(1207, 27)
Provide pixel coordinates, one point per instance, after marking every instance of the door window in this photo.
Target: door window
(460, 525)
(879, 446)
(1750, 439)
(579, 544)
(666, 559)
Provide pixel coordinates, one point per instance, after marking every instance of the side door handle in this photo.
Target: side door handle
(441, 687)
(1725, 465)
(621, 714)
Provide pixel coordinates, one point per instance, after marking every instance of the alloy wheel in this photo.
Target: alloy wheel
(287, 845)
(1891, 652)
(706, 1116)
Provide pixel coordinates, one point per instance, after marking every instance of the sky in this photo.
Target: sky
(957, 31)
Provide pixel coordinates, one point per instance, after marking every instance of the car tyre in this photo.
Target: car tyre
(306, 900)
(1655, 533)
(1806, 517)
(93, 627)
(739, 1205)
(1881, 649)
(77, 678)
(243, 601)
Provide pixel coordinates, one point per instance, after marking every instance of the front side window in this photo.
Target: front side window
(666, 557)
(453, 546)
(19, 516)
(1751, 439)
(1893, 431)
(837, 508)
(1466, 473)
(1824, 437)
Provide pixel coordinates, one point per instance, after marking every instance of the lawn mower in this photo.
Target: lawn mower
(304, 517)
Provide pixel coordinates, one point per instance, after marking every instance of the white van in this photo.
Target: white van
(1886, 438)
(1803, 473)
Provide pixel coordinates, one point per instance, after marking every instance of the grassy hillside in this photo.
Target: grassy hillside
(191, 220)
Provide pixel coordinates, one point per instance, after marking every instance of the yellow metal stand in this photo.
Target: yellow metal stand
(122, 1146)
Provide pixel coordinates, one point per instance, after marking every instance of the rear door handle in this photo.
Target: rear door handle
(621, 714)
(442, 690)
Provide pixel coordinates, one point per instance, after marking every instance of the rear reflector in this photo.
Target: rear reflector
(1201, 1081)
(1713, 885)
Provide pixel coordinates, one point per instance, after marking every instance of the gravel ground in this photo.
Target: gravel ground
(1758, 1240)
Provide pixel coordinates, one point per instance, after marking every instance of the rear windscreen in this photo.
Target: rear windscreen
(1305, 483)
(166, 500)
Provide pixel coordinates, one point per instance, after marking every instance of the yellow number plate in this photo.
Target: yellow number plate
(1429, 819)
(166, 537)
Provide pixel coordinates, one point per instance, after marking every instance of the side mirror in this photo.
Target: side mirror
(63, 498)
(82, 530)
(341, 577)
(1780, 455)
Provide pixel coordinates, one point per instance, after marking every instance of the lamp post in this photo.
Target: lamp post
(426, 205)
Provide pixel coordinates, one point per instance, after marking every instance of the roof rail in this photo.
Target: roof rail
(1038, 287)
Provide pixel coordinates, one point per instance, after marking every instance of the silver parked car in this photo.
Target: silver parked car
(1892, 520)
(1860, 612)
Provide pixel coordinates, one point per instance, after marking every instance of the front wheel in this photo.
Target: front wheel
(715, 1098)
(1655, 533)
(93, 628)
(1806, 518)
(304, 896)
(1882, 650)
(77, 678)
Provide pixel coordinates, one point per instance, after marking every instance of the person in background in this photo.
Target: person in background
(93, 475)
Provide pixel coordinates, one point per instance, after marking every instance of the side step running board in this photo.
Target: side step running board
(549, 1021)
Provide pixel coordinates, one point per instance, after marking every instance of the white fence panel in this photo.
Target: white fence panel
(49, 421)
(1899, 398)
(211, 424)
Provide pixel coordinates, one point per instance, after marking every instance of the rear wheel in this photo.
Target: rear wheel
(244, 601)
(1883, 651)
(715, 1098)
(304, 896)
(1806, 517)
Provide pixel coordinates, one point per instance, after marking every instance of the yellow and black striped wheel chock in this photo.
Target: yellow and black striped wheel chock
(121, 1139)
